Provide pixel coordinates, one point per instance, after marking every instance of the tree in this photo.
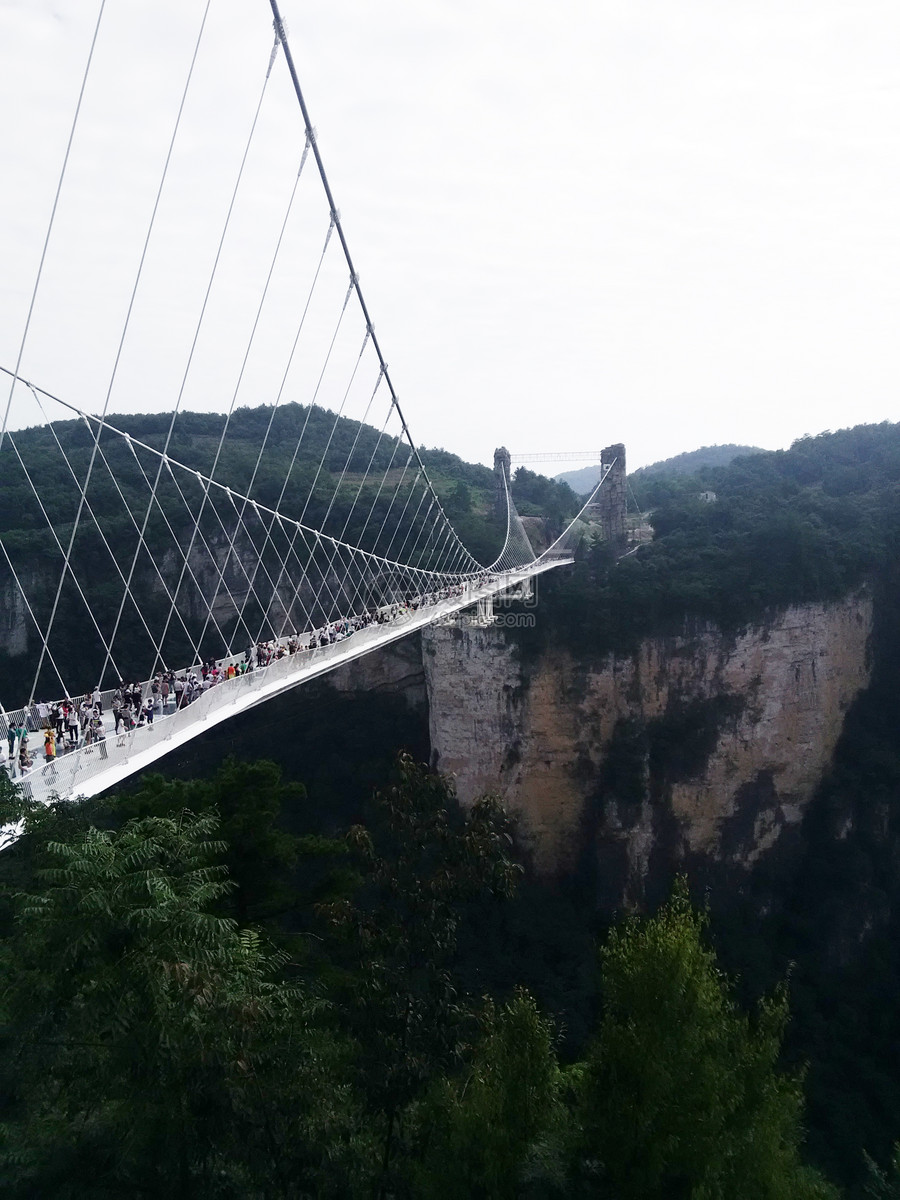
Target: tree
(150, 1046)
(402, 1002)
(248, 798)
(494, 1127)
(459, 502)
(682, 1096)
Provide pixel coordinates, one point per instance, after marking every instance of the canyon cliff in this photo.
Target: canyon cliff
(700, 748)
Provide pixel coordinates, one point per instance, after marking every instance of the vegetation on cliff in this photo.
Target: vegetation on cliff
(829, 904)
(792, 526)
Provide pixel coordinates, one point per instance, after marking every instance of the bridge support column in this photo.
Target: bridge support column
(611, 497)
(485, 611)
(501, 472)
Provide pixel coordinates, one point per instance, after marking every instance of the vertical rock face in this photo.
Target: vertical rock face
(709, 744)
(13, 621)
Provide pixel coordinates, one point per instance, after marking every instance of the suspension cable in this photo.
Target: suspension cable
(281, 34)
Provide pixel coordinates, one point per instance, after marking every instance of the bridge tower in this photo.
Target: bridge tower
(611, 497)
(502, 462)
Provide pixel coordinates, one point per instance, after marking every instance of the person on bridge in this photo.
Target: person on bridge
(72, 724)
(98, 734)
(50, 752)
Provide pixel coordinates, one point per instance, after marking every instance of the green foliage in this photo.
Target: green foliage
(248, 798)
(535, 495)
(682, 1096)
(333, 476)
(149, 1045)
(496, 1126)
(401, 934)
(459, 502)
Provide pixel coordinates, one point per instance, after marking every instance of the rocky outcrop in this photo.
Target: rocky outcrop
(13, 621)
(703, 746)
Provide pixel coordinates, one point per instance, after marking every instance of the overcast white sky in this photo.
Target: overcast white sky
(667, 224)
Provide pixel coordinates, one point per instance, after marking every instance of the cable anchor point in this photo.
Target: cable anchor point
(280, 35)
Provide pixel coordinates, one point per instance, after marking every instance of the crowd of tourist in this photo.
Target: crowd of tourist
(67, 725)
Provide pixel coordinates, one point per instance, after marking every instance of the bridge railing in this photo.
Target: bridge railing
(68, 773)
(72, 772)
(72, 769)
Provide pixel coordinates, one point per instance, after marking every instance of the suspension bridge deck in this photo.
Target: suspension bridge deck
(93, 769)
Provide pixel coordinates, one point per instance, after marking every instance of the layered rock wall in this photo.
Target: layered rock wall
(698, 747)
(730, 735)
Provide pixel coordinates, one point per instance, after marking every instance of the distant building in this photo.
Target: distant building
(708, 497)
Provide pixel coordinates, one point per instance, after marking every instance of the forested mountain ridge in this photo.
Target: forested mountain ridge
(787, 526)
(692, 461)
(585, 479)
(305, 448)
(345, 479)
(331, 447)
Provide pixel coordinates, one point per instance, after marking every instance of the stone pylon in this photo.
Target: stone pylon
(611, 497)
(501, 467)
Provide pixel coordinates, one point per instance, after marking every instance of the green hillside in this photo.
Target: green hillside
(694, 460)
(336, 475)
(585, 479)
(808, 523)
